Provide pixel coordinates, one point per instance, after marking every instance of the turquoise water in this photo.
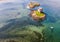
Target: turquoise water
(17, 16)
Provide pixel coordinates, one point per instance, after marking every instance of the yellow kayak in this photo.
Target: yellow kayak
(36, 15)
(39, 14)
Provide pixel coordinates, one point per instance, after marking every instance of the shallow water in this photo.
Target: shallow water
(18, 13)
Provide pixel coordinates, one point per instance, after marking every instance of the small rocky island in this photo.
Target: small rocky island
(37, 14)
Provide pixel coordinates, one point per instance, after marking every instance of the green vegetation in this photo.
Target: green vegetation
(29, 33)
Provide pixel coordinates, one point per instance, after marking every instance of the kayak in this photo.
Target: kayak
(38, 16)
